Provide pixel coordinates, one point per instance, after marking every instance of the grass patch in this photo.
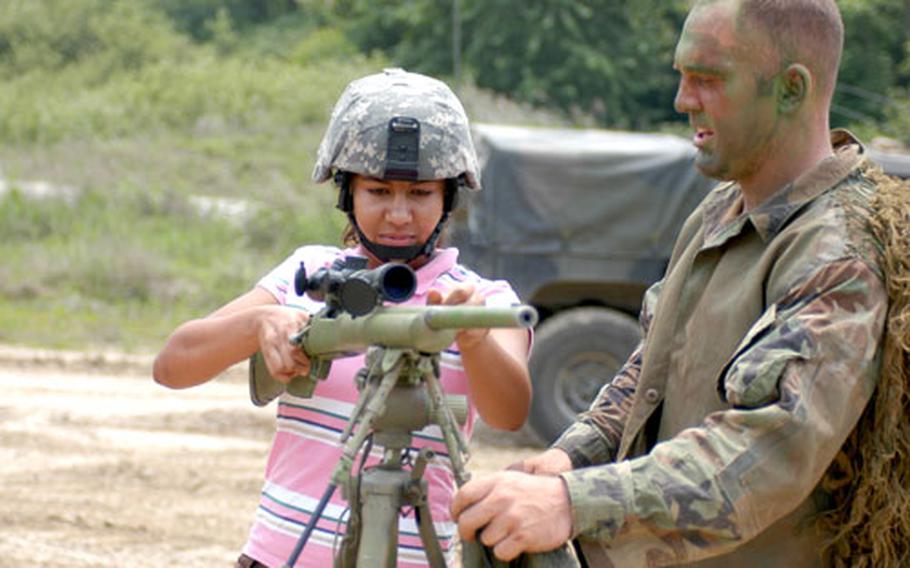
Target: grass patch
(121, 267)
(74, 323)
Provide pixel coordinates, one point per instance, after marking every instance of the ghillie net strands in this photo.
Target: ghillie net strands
(870, 478)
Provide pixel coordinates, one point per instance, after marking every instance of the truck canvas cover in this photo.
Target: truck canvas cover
(593, 204)
(895, 164)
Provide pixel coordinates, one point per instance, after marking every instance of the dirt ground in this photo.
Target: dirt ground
(99, 466)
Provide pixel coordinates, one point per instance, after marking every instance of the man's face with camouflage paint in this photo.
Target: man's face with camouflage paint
(725, 89)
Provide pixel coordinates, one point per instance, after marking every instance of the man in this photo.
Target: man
(761, 346)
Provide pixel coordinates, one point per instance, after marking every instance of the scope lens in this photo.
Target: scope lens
(397, 282)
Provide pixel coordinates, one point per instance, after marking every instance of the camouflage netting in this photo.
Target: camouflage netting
(870, 478)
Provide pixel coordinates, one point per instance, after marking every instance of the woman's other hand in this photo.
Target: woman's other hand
(463, 295)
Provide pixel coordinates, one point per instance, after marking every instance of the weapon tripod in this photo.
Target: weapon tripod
(400, 393)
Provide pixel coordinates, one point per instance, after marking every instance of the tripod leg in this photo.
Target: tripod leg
(454, 441)
(417, 497)
(346, 557)
(370, 410)
(428, 536)
(476, 555)
(380, 499)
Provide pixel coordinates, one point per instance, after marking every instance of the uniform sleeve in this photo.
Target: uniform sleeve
(594, 436)
(797, 384)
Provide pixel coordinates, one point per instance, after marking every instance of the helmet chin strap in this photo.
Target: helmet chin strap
(387, 253)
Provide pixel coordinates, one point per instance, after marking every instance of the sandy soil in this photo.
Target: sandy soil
(104, 468)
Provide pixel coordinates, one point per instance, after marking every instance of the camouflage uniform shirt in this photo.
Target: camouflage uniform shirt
(761, 349)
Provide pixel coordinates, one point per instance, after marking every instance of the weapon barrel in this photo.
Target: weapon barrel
(466, 317)
(424, 328)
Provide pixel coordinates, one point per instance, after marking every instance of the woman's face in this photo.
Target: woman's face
(397, 213)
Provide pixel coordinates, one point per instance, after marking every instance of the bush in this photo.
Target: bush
(323, 44)
(47, 107)
(89, 69)
(48, 35)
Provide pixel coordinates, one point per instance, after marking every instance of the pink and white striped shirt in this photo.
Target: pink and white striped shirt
(306, 447)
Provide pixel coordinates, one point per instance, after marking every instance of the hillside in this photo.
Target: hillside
(125, 140)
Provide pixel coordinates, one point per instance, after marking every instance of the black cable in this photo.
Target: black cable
(292, 559)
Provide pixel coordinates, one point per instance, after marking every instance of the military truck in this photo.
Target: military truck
(581, 222)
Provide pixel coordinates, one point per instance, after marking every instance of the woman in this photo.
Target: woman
(399, 149)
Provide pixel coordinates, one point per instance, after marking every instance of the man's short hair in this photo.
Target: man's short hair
(810, 32)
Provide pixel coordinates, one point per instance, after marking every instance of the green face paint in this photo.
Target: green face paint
(731, 105)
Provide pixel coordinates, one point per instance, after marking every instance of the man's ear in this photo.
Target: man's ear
(794, 85)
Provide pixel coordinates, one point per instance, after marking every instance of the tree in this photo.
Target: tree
(874, 70)
(193, 16)
(606, 58)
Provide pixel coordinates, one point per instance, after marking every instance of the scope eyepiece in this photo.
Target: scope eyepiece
(351, 287)
(300, 280)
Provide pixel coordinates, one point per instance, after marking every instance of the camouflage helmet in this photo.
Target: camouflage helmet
(356, 139)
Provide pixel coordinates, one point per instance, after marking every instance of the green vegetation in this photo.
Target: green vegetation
(612, 59)
(132, 111)
(109, 98)
(135, 111)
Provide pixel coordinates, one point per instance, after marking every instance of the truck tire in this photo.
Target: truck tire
(575, 353)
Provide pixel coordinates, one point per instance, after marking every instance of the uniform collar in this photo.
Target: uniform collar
(724, 210)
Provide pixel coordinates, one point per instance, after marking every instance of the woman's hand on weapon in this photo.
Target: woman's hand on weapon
(283, 359)
(464, 295)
